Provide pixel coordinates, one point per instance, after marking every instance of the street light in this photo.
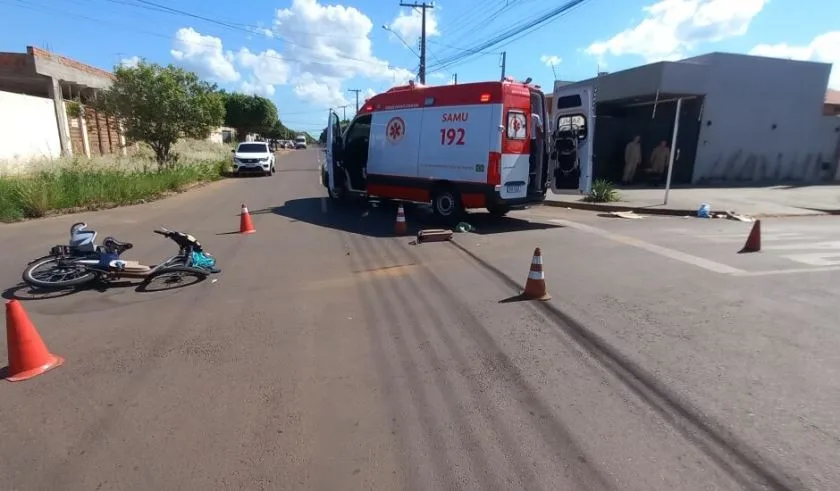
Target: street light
(388, 28)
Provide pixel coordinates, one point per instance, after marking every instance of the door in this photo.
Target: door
(572, 139)
(354, 152)
(333, 145)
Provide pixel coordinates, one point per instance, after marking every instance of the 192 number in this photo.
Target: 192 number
(452, 136)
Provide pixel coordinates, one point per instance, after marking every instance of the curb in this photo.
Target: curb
(581, 205)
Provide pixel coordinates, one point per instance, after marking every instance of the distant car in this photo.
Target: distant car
(300, 143)
(253, 157)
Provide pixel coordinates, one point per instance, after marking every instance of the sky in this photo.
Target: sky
(306, 55)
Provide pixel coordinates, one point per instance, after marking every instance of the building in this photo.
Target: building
(43, 112)
(743, 119)
(832, 103)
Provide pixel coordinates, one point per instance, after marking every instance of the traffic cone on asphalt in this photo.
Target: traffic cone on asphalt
(753, 243)
(535, 284)
(401, 227)
(246, 226)
(28, 355)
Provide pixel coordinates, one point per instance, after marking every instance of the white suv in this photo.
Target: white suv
(253, 157)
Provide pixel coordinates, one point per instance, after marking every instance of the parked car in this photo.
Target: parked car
(253, 157)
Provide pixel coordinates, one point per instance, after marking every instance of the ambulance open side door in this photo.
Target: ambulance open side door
(332, 151)
(573, 138)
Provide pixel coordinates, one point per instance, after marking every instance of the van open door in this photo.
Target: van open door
(573, 138)
(332, 153)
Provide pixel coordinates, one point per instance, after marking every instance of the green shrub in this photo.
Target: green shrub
(603, 191)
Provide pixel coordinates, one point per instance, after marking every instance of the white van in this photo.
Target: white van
(300, 143)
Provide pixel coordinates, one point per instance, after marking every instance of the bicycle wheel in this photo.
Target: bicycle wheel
(173, 277)
(48, 272)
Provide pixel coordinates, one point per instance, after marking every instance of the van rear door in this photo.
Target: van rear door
(573, 139)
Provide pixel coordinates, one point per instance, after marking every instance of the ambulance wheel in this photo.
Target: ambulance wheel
(498, 211)
(446, 204)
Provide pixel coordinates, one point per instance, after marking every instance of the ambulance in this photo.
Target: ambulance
(456, 147)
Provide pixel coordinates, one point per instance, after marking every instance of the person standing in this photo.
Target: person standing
(632, 159)
(659, 159)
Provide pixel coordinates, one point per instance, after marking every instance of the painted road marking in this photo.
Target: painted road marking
(742, 236)
(819, 261)
(662, 251)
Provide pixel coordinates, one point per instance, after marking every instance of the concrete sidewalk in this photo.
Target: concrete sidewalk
(771, 201)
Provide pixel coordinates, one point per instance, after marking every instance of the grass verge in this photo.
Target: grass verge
(81, 184)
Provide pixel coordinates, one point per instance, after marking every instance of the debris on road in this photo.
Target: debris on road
(632, 215)
(434, 235)
(464, 227)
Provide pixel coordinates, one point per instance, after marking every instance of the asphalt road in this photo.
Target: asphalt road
(331, 355)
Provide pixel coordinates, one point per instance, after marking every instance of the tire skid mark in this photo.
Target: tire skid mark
(382, 365)
(406, 287)
(743, 463)
(430, 426)
(558, 437)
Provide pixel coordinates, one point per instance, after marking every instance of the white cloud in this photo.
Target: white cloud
(672, 27)
(326, 45)
(409, 26)
(204, 55)
(368, 93)
(550, 61)
(323, 46)
(324, 91)
(130, 62)
(268, 69)
(824, 48)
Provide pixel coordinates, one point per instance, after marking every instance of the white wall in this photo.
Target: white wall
(746, 96)
(28, 130)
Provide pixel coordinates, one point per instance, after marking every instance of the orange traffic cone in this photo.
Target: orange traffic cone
(28, 355)
(246, 226)
(753, 243)
(535, 285)
(401, 228)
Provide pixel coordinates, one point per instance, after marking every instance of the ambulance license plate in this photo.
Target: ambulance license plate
(514, 187)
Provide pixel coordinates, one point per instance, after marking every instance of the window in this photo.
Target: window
(360, 128)
(572, 124)
(569, 102)
(517, 125)
(252, 148)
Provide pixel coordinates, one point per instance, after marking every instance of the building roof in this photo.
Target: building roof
(832, 97)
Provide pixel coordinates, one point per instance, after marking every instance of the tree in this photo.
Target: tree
(249, 114)
(158, 105)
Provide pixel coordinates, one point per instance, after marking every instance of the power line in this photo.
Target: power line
(515, 32)
(347, 61)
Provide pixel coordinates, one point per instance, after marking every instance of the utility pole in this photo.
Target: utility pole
(456, 78)
(504, 62)
(344, 107)
(357, 97)
(423, 7)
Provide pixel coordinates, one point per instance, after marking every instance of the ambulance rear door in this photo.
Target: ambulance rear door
(573, 137)
(333, 146)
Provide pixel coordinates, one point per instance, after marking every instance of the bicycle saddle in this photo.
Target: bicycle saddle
(115, 245)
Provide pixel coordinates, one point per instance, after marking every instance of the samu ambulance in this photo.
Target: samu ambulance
(467, 146)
